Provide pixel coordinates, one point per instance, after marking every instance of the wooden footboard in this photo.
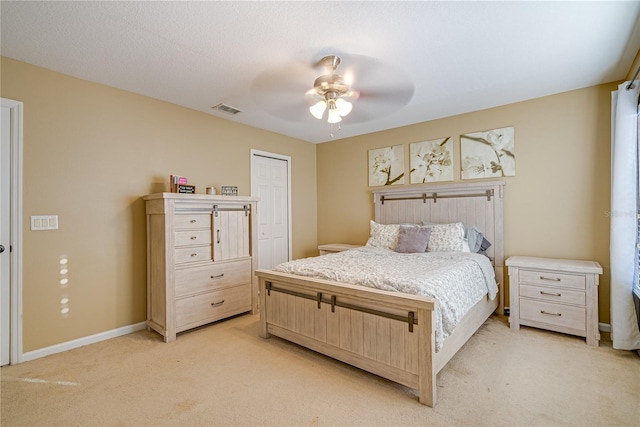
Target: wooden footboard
(389, 334)
(385, 333)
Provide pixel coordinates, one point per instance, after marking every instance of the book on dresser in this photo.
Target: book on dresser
(201, 259)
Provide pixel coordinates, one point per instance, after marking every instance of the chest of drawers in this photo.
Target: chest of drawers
(555, 294)
(201, 259)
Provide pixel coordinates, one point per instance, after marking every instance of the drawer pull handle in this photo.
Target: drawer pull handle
(194, 254)
(555, 294)
(193, 237)
(193, 221)
(218, 276)
(555, 279)
(216, 304)
(551, 314)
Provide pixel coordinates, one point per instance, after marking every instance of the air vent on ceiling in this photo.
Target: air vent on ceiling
(226, 109)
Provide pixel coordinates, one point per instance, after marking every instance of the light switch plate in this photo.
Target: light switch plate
(44, 222)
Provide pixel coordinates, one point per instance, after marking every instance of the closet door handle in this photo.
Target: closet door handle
(218, 234)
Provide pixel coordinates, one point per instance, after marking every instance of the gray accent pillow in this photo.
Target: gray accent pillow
(412, 239)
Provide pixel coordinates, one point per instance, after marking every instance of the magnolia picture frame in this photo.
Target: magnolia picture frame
(488, 154)
(431, 161)
(386, 166)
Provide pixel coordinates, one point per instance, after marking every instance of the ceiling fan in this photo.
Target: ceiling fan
(331, 93)
(380, 88)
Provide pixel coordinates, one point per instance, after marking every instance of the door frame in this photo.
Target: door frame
(287, 159)
(15, 215)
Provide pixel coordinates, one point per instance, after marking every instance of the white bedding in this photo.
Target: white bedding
(457, 280)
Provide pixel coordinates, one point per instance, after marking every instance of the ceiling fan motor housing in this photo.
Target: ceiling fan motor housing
(331, 83)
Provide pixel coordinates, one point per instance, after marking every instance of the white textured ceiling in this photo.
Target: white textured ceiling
(456, 56)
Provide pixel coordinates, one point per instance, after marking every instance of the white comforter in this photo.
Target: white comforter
(457, 280)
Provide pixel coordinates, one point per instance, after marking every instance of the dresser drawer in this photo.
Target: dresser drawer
(210, 277)
(558, 295)
(553, 314)
(199, 309)
(192, 221)
(549, 278)
(193, 237)
(192, 254)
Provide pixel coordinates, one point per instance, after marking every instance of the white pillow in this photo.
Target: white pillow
(383, 235)
(446, 237)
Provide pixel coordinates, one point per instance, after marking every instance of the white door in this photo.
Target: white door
(270, 181)
(5, 227)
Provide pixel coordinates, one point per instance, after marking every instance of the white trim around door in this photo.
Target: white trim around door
(16, 109)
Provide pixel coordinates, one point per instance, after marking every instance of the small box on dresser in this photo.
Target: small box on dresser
(555, 294)
(201, 259)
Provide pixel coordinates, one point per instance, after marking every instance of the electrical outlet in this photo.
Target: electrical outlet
(44, 222)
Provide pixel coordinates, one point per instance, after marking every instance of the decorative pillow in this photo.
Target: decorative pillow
(383, 235)
(446, 237)
(413, 239)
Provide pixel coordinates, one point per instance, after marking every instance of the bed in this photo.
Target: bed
(386, 332)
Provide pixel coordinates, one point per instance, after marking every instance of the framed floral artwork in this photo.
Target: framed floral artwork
(488, 154)
(431, 161)
(386, 166)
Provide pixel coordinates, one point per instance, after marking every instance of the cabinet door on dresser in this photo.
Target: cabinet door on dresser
(231, 232)
(200, 260)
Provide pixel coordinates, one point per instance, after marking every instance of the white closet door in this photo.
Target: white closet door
(270, 182)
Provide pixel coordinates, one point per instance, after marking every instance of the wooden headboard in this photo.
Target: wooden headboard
(472, 203)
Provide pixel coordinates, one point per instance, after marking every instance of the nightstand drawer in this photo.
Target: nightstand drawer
(556, 295)
(553, 314)
(549, 278)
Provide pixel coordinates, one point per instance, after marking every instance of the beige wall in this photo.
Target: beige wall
(90, 153)
(555, 206)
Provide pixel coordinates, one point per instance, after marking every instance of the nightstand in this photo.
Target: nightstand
(555, 294)
(335, 247)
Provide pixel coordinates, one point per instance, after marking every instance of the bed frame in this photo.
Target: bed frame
(389, 334)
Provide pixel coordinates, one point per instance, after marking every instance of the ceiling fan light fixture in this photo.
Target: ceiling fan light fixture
(343, 106)
(329, 90)
(317, 110)
(334, 116)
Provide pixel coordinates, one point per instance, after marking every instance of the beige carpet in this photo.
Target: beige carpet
(225, 375)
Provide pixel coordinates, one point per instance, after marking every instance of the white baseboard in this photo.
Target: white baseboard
(91, 339)
(604, 327)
